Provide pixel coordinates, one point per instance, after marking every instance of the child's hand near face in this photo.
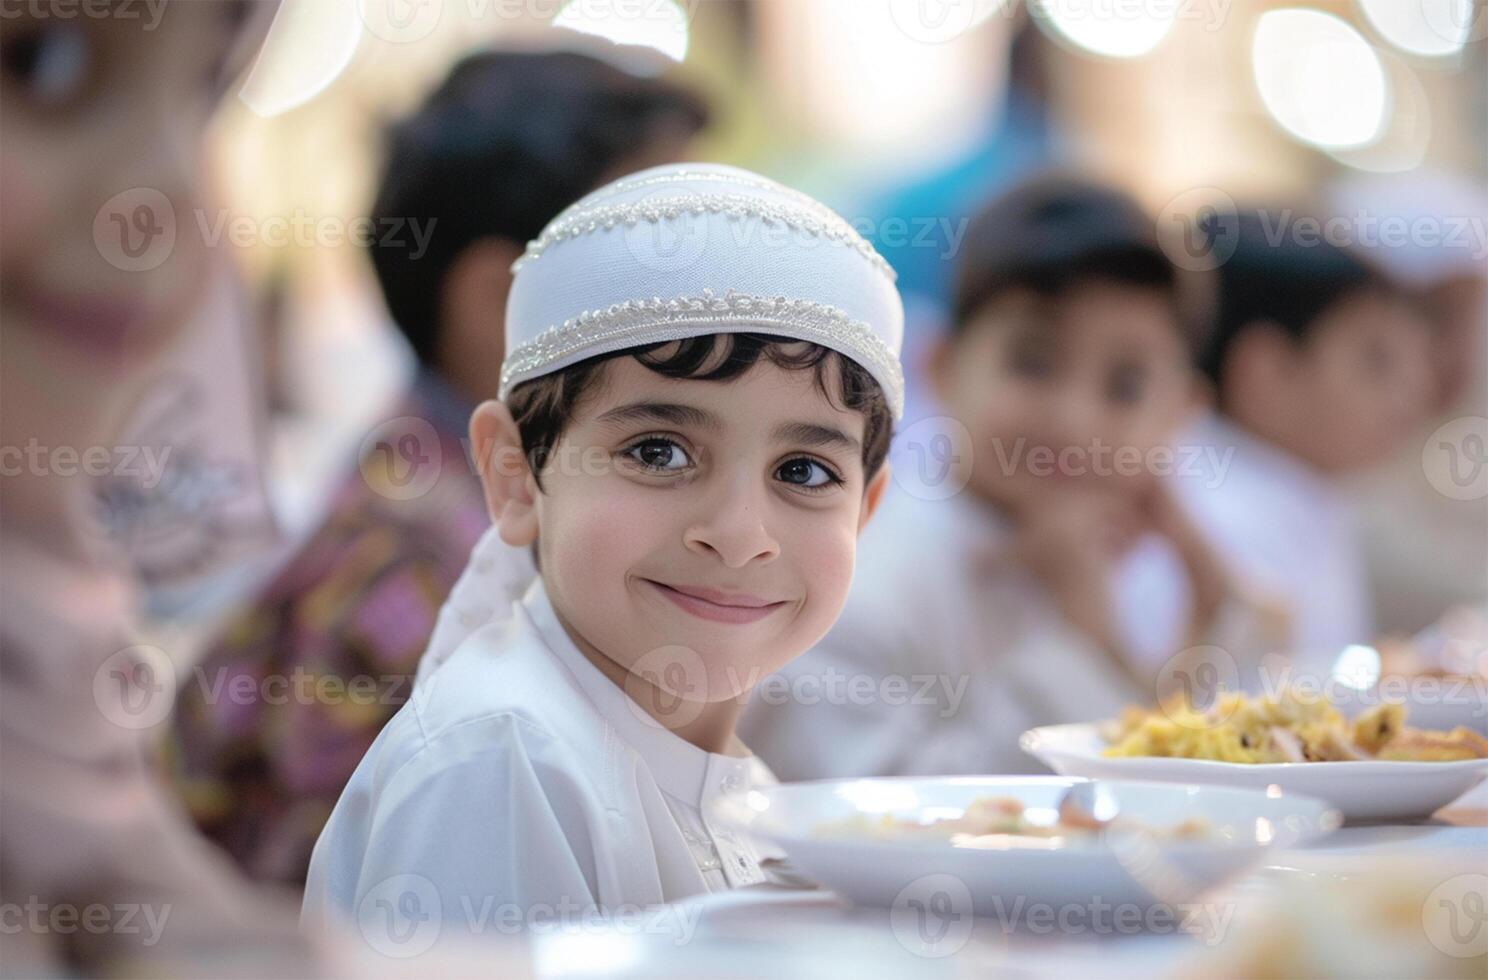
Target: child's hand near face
(1209, 579)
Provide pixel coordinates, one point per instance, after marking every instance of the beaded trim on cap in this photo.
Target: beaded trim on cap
(811, 220)
(646, 321)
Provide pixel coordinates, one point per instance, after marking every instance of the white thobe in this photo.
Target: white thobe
(519, 776)
(1291, 533)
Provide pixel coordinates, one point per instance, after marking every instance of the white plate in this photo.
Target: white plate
(1364, 790)
(913, 875)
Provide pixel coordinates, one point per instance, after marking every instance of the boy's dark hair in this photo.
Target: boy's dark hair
(1276, 279)
(544, 407)
(1054, 233)
(497, 151)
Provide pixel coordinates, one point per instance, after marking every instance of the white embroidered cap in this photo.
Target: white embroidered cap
(691, 249)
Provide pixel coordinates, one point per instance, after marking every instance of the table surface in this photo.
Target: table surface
(775, 932)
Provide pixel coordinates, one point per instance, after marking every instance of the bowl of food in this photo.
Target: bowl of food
(1002, 846)
(1374, 766)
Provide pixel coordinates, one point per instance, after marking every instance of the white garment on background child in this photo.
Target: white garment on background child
(519, 775)
(937, 607)
(1291, 533)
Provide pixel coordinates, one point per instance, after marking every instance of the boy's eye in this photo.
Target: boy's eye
(1126, 385)
(1031, 360)
(49, 65)
(806, 473)
(659, 454)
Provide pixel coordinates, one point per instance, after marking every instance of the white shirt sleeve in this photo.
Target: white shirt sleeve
(486, 816)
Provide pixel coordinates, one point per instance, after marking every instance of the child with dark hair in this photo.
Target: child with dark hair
(695, 406)
(1321, 369)
(506, 142)
(1033, 583)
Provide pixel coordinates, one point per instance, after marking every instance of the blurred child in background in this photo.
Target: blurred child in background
(97, 299)
(1321, 370)
(500, 147)
(1000, 608)
(1424, 520)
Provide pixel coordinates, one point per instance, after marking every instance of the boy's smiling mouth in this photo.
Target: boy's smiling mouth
(720, 607)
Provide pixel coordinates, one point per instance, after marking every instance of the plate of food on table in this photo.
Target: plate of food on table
(1375, 764)
(996, 844)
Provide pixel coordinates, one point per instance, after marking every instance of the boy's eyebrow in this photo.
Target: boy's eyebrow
(666, 412)
(810, 434)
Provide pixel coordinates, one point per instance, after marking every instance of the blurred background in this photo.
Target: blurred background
(904, 115)
(297, 535)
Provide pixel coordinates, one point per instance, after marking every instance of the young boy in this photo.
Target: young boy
(700, 385)
(1321, 370)
(999, 608)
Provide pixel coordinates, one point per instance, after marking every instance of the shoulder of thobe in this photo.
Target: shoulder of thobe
(495, 811)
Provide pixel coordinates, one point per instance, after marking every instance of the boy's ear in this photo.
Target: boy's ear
(873, 495)
(506, 476)
(938, 363)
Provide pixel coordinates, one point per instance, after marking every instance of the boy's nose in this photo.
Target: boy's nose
(733, 528)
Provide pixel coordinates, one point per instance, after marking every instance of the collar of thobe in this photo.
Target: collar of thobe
(682, 770)
(1279, 466)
